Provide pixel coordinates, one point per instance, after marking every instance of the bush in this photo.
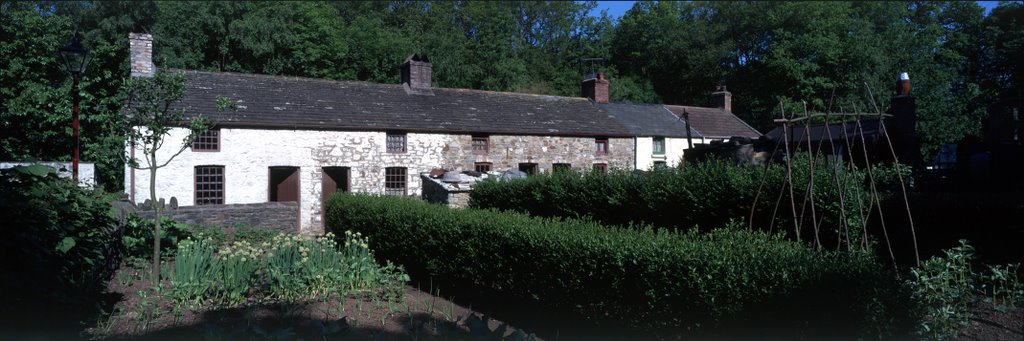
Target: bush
(640, 276)
(138, 237)
(62, 244)
(707, 194)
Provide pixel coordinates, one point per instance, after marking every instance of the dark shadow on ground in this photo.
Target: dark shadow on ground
(804, 315)
(546, 322)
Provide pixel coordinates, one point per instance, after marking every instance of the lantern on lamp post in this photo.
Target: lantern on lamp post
(76, 59)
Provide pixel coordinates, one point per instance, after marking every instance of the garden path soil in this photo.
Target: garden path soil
(990, 324)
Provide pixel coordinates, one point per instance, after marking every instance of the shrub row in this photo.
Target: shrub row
(707, 194)
(641, 277)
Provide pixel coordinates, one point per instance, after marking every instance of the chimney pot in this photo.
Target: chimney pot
(141, 50)
(903, 85)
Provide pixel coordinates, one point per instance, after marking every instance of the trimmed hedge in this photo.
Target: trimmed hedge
(641, 277)
(707, 194)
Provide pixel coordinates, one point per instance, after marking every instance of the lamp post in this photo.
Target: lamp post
(76, 58)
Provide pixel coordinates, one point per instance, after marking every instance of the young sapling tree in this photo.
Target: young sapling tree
(150, 117)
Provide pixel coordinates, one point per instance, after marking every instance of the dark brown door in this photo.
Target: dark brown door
(335, 179)
(284, 183)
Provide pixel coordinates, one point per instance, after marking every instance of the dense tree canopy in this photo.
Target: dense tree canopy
(962, 62)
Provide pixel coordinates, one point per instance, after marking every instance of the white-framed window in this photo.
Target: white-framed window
(659, 145)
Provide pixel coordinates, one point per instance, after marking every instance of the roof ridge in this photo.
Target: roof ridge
(326, 80)
(260, 75)
(696, 107)
(513, 93)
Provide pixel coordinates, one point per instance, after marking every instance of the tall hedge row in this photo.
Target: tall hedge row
(641, 276)
(707, 194)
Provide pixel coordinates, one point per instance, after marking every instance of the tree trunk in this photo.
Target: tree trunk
(156, 219)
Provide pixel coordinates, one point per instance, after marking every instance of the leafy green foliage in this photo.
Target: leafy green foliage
(946, 285)
(35, 118)
(61, 244)
(286, 268)
(138, 237)
(827, 54)
(151, 119)
(651, 278)
(674, 52)
(705, 194)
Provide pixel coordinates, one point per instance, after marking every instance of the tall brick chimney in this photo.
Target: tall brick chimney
(416, 73)
(595, 88)
(722, 98)
(141, 49)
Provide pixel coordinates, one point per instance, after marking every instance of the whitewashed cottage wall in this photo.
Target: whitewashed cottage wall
(674, 148)
(247, 154)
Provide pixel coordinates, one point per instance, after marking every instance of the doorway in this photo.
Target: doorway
(335, 179)
(284, 184)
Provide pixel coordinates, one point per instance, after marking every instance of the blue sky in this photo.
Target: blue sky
(617, 8)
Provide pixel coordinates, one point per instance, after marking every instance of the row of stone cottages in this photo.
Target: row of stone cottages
(301, 139)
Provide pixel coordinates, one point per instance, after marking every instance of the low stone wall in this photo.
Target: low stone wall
(435, 192)
(279, 216)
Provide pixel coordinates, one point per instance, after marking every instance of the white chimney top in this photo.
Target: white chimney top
(904, 76)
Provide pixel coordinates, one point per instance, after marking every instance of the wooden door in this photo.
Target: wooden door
(335, 179)
(284, 184)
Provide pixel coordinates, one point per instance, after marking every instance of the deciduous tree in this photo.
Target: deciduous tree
(151, 117)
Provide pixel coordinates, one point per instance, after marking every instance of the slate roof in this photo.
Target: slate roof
(306, 103)
(649, 120)
(818, 132)
(715, 123)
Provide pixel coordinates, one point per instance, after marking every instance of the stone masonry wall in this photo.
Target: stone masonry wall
(278, 216)
(508, 151)
(247, 154)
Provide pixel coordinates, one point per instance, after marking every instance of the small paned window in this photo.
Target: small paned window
(560, 167)
(601, 168)
(659, 146)
(207, 141)
(601, 146)
(482, 167)
(480, 145)
(209, 182)
(396, 142)
(528, 168)
(394, 181)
